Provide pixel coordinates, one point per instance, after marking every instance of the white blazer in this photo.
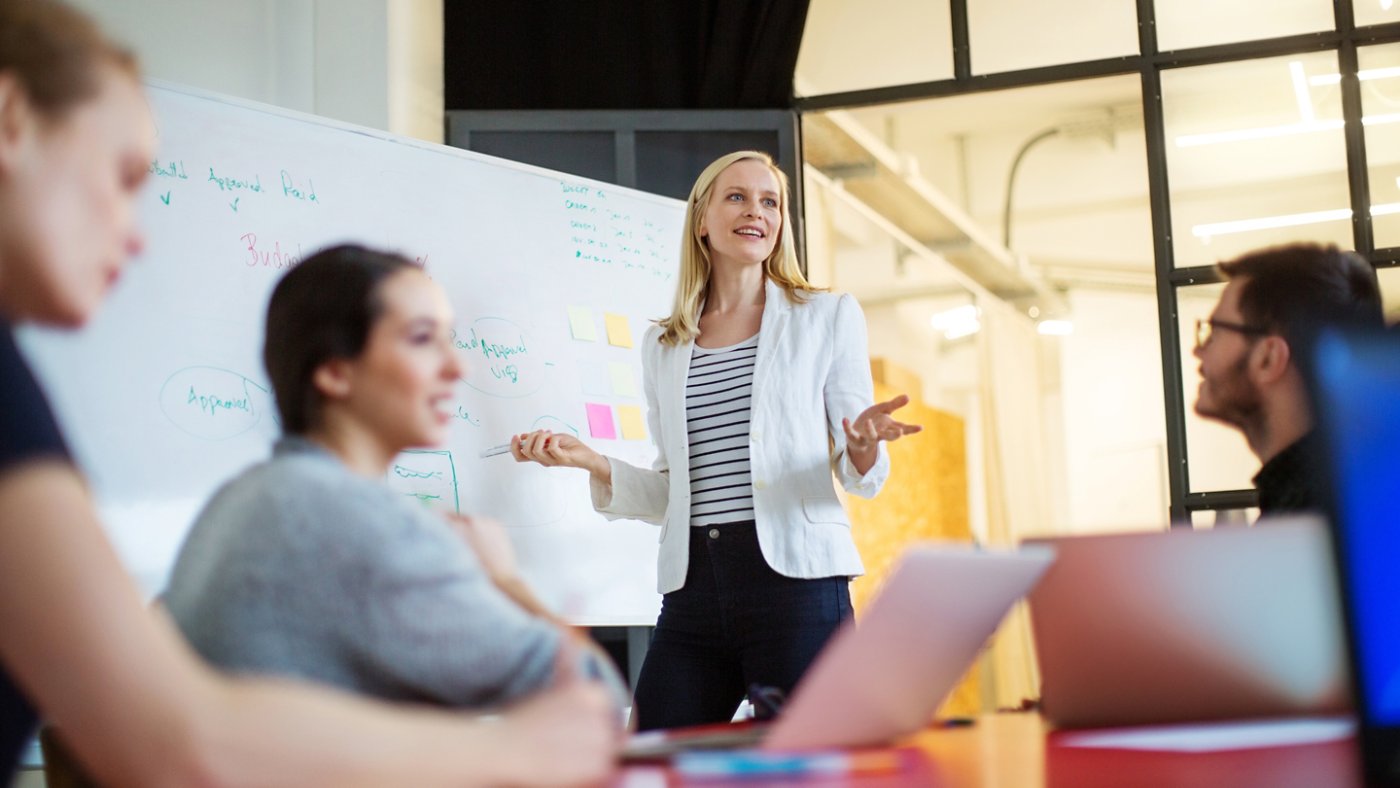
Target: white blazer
(812, 370)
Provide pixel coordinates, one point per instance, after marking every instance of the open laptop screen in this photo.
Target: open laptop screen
(1358, 399)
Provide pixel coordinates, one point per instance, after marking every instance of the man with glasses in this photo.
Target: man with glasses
(1249, 351)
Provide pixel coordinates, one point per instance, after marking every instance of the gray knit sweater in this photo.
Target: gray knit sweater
(300, 568)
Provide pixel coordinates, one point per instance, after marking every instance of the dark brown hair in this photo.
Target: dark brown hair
(56, 52)
(323, 309)
(1295, 289)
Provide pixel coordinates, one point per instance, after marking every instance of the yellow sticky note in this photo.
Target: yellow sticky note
(581, 324)
(619, 332)
(632, 427)
(624, 384)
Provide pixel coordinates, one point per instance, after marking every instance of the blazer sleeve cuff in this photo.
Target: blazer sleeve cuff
(868, 484)
(634, 494)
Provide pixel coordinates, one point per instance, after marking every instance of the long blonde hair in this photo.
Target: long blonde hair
(781, 266)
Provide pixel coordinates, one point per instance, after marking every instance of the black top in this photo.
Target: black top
(1290, 482)
(27, 432)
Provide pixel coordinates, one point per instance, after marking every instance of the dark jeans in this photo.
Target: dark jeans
(736, 622)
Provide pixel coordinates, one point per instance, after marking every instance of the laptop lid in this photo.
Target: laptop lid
(885, 677)
(1356, 388)
(1188, 625)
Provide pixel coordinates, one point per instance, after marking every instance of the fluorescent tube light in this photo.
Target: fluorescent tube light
(1365, 75)
(1054, 328)
(958, 322)
(1269, 222)
(1208, 231)
(1262, 132)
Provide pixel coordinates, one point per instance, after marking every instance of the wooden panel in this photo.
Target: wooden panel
(925, 498)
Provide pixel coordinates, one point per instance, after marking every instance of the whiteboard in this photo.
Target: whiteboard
(553, 280)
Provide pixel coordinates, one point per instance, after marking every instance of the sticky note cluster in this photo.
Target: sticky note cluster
(610, 379)
(584, 328)
(629, 422)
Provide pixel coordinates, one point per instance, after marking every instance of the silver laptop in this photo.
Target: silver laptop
(1190, 625)
(885, 676)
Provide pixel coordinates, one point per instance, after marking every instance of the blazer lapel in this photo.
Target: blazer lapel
(680, 374)
(776, 313)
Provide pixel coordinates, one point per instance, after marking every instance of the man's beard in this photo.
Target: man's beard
(1235, 399)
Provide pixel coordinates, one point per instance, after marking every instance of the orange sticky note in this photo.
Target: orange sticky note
(630, 417)
(619, 331)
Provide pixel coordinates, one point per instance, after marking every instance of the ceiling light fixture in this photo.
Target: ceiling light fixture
(1054, 328)
(1365, 75)
(1266, 132)
(1309, 122)
(1262, 132)
(1207, 231)
(957, 322)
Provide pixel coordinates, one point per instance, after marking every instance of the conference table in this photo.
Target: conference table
(1019, 750)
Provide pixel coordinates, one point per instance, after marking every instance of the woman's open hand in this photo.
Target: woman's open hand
(873, 425)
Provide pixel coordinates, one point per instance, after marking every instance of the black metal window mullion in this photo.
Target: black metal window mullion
(1149, 65)
(1159, 196)
(1115, 66)
(1358, 178)
(962, 46)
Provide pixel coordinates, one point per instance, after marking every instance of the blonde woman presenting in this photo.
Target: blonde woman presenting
(758, 390)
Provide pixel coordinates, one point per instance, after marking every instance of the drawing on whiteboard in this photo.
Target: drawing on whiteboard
(465, 415)
(427, 476)
(213, 403)
(500, 362)
(554, 424)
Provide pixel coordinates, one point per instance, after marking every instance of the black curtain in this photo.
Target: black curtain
(621, 54)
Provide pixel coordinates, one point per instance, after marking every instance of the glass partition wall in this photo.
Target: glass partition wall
(1086, 164)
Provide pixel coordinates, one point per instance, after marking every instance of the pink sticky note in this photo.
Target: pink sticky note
(600, 421)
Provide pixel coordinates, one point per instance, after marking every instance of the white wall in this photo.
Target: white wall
(1114, 423)
(375, 63)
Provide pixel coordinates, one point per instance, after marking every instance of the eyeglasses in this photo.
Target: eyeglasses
(1205, 329)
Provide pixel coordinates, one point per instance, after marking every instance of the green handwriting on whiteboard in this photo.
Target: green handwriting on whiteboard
(297, 190)
(491, 350)
(212, 403)
(409, 473)
(174, 169)
(499, 360)
(229, 183)
(427, 476)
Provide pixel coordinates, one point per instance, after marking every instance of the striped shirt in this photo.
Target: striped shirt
(718, 398)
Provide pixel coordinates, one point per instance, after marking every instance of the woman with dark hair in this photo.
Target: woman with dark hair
(77, 643)
(309, 565)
